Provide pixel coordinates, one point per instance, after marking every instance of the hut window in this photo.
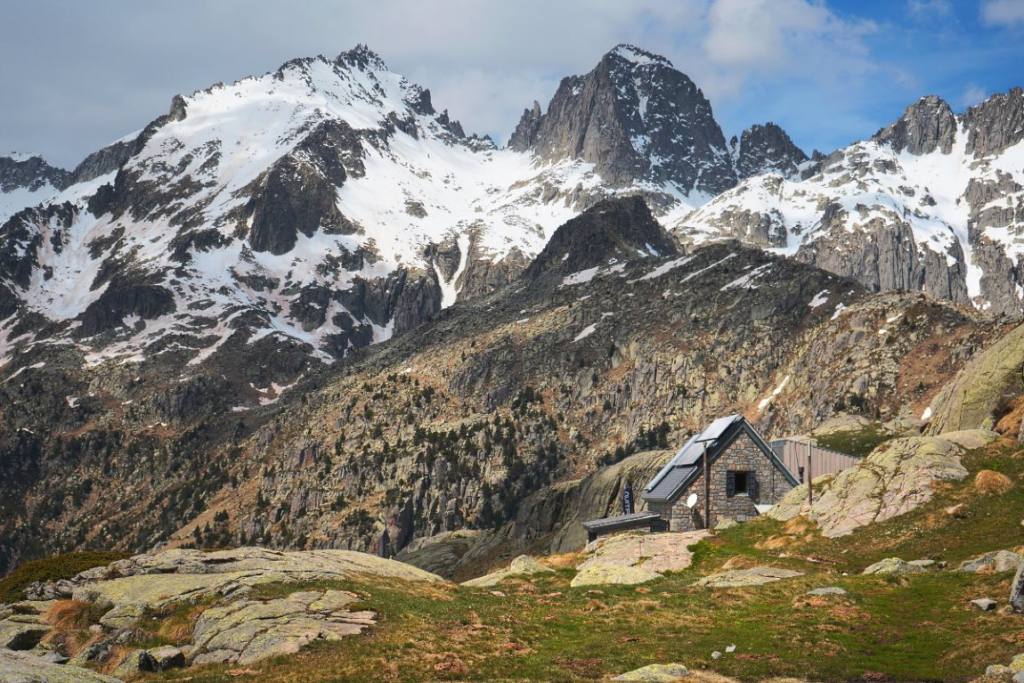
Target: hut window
(737, 483)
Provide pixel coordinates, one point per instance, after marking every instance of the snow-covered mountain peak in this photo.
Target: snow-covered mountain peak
(636, 56)
(362, 57)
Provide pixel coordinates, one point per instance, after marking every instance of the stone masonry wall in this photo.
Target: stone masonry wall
(741, 455)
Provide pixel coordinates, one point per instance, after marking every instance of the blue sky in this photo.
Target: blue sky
(77, 75)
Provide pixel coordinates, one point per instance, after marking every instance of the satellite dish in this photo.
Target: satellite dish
(692, 500)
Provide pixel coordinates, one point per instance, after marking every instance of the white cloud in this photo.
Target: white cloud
(781, 39)
(1009, 13)
(929, 8)
(973, 94)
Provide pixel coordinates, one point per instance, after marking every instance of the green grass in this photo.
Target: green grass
(12, 586)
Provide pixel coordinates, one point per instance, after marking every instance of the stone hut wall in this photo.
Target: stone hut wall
(741, 455)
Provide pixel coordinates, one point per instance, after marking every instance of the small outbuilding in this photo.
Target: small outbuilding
(726, 471)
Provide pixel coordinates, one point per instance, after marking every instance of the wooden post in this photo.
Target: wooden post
(810, 491)
(707, 489)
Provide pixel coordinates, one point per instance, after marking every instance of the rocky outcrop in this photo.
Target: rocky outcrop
(739, 578)
(767, 149)
(147, 581)
(636, 118)
(655, 552)
(883, 255)
(247, 631)
(987, 383)
(30, 173)
(894, 565)
(896, 478)
(522, 566)
(103, 161)
(298, 194)
(19, 667)
(613, 230)
(926, 126)
(996, 124)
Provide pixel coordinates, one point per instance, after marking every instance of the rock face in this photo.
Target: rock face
(926, 126)
(983, 386)
(893, 480)
(767, 149)
(636, 118)
(739, 578)
(31, 173)
(611, 231)
(924, 202)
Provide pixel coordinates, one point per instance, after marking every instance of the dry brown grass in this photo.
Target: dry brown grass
(68, 615)
(566, 561)
(989, 483)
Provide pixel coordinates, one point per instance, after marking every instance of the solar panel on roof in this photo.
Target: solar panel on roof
(716, 428)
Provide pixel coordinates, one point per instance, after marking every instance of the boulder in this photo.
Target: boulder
(136, 662)
(998, 561)
(1017, 590)
(1017, 664)
(894, 479)
(999, 672)
(893, 565)
(607, 574)
(22, 632)
(655, 673)
(20, 667)
(167, 657)
(755, 576)
(667, 552)
(831, 590)
(521, 566)
(984, 604)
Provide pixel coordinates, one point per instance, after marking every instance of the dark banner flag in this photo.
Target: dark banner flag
(627, 498)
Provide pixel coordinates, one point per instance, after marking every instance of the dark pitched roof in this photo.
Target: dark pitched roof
(685, 466)
(621, 521)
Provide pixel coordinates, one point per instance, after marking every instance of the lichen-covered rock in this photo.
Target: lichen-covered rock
(135, 663)
(893, 565)
(22, 632)
(668, 552)
(998, 561)
(609, 574)
(971, 399)
(655, 673)
(830, 590)
(521, 566)
(19, 667)
(1017, 590)
(755, 576)
(894, 479)
(183, 575)
(167, 657)
(249, 630)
